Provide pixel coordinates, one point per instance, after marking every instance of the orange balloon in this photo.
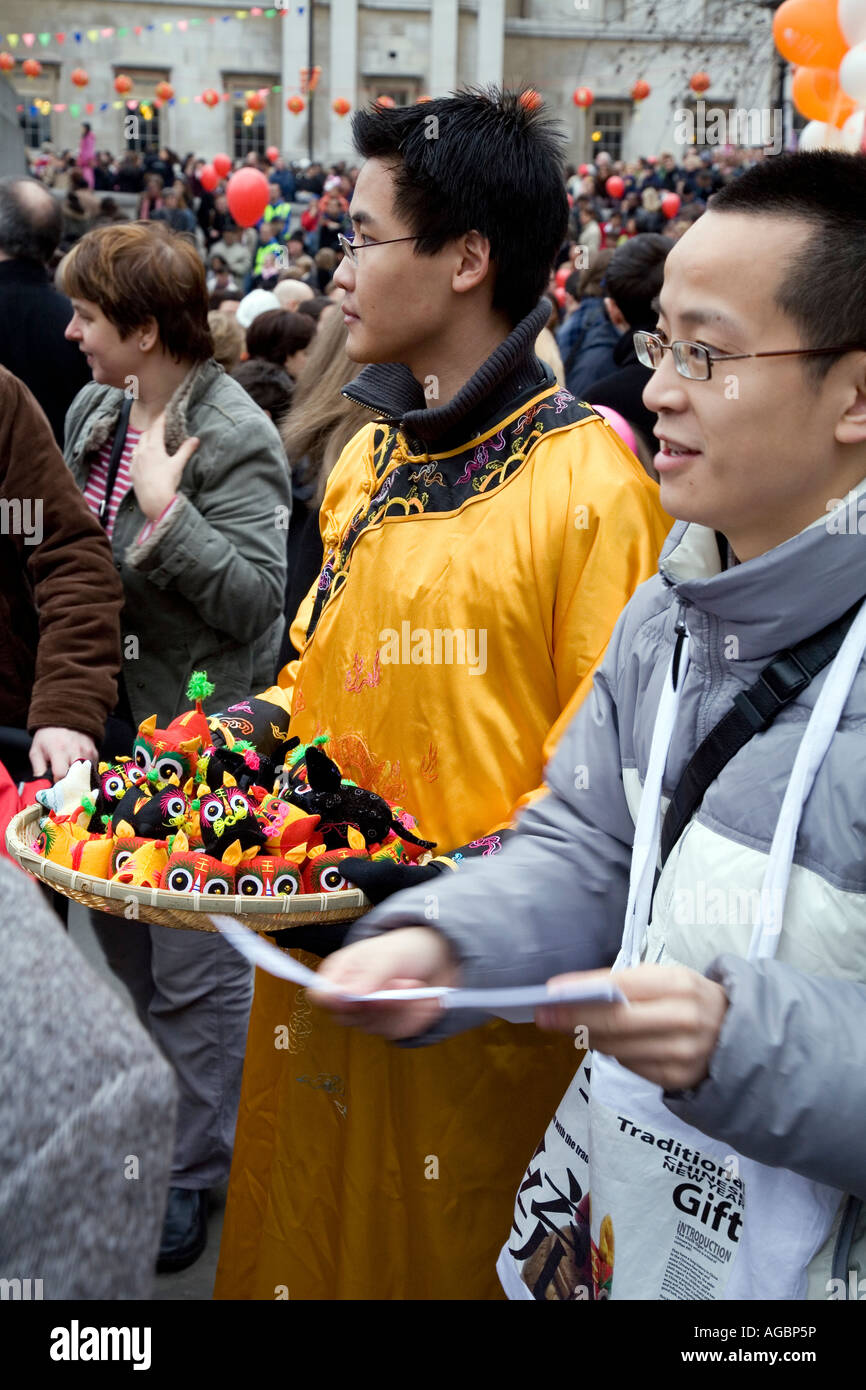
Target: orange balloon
(817, 96)
(807, 32)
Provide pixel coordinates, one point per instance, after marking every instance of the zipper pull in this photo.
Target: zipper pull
(682, 633)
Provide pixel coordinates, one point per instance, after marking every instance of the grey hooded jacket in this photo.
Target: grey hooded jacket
(206, 589)
(787, 1083)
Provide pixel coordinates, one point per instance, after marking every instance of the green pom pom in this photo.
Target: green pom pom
(196, 805)
(89, 804)
(199, 687)
(243, 745)
(322, 738)
(153, 775)
(105, 819)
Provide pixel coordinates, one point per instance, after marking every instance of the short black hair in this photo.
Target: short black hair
(30, 228)
(480, 160)
(635, 276)
(268, 385)
(313, 307)
(278, 333)
(823, 287)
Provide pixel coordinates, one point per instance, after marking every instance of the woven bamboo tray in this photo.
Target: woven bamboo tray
(190, 911)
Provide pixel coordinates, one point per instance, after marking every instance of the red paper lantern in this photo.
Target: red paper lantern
(247, 195)
(418, 100)
(295, 105)
(79, 77)
(122, 84)
(272, 154)
(31, 67)
(164, 91)
(208, 177)
(222, 164)
(7, 62)
(385, 101)
(210, 97)
(640, 91)
(615, 186)
(582, 96)
(530, 99)
(700, 81)
(670, 204)
(255, 101)
(341, 106)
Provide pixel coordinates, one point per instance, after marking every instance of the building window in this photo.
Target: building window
(35, 121)
(252, 130)
(142, 126)
(403, 91)
(606, 128)
(248, 134)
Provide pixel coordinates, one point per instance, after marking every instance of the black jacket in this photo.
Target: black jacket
(623, 389)
(33, 317)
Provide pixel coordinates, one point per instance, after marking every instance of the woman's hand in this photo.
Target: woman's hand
(156, 474)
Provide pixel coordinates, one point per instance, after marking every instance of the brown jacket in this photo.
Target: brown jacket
(60, 594)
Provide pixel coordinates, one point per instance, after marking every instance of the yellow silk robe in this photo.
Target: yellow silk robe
(363, 1170)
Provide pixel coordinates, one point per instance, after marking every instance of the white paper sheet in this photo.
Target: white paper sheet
(516, 1005)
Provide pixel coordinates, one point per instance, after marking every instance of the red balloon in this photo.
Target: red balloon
(562, 274)
(272, 153)
(222, 164)
(208, 178)
(583, 170)
(671, 204)
(247, 195)
(615, 186)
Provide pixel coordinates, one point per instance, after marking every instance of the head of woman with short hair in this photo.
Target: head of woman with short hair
(141, 305)
(281, 337)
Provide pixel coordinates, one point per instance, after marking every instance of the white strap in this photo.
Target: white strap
(647, 833)
(813, 747)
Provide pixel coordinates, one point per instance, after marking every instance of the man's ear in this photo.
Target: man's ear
(851, 425)
(474, 263)
(615, 314)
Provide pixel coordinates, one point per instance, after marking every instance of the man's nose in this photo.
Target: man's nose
(664, 390)
(344, 275)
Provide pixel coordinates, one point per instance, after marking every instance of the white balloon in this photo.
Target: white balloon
(852, 131)
(820, 136)
(852, 72)
(852, 20)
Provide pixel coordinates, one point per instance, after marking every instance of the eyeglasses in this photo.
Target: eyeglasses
(695, 362)
(351, 250)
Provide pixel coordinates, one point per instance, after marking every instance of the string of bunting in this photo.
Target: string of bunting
(167, 26)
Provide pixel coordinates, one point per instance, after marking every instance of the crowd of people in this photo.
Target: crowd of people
(465, 369)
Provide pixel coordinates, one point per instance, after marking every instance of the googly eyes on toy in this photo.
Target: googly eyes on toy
(179, 880)
(170, 765)
(332, 880)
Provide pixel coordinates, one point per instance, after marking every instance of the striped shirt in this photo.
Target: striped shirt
(94, 491)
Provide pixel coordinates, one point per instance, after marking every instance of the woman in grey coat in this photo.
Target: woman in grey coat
(191, 483)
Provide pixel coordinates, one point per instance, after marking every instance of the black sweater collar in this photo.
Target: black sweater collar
(512, 370)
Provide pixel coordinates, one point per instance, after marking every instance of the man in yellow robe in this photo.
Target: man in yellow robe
(480, 541)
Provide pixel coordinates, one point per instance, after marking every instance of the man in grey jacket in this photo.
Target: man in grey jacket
(764, 462)
(87, 1120)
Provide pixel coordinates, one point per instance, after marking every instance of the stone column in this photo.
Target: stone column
(295, 30)
(443, 48)
(343, 75)
(491, 41)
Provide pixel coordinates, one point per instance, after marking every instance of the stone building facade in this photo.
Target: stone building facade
(367, 48)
